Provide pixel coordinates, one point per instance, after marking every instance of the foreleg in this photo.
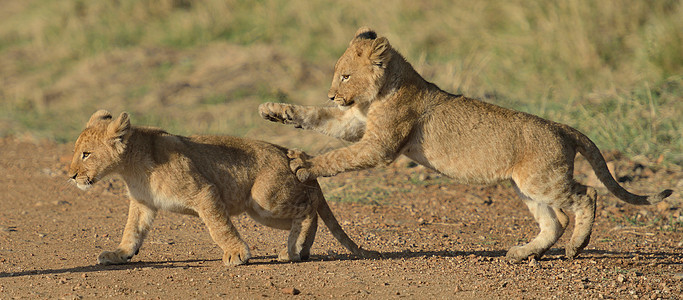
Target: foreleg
(348, 125)
(140, 218)
(215, 215)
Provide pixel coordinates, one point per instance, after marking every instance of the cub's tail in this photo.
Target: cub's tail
(591, 152)
(327, 216)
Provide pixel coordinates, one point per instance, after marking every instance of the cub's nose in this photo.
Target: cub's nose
(73, 176)
(331, 97)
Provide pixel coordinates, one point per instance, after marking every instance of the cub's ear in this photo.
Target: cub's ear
(363, 33)
(98, 116)
(119, 129)
(380, 52)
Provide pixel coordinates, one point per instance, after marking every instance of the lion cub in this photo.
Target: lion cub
(388, 109)
(213, 177)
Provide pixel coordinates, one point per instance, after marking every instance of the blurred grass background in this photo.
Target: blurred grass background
(612, 69)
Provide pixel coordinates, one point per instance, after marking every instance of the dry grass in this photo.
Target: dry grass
(612, 69)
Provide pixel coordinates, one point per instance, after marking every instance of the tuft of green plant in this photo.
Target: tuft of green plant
(372, 196)
(361, 189)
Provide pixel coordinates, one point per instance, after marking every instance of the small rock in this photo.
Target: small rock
(678, 276)
(621, 278)
(8, 229)
(290, 291)
(534, 263)
(663, 206)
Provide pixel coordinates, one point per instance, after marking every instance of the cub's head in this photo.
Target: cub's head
(360, 72)
(99, 148)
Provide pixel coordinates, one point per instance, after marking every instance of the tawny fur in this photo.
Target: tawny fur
(388, 109)
(213, 177)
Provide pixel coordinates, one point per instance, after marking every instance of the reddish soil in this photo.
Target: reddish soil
(440, 240)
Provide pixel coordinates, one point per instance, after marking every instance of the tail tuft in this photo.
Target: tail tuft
(659, 197)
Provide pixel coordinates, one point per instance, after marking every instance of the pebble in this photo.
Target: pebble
(621, 278)
(663, 206)
(290, 291)
(534, 263)
(8, 229)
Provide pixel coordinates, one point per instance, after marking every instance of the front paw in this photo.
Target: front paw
(298, 162)
(113, 258)
(278, 112)
(236, 256)
(518, 254)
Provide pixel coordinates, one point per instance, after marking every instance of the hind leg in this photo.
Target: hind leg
(561, 217)
(309, 237)
(583, 205)
(551, 226)
(301, 237)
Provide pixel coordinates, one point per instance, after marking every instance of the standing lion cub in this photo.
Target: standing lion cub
(388, 109)
(213, 177)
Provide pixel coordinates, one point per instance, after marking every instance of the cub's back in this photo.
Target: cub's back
(240, 155)
(253, 169)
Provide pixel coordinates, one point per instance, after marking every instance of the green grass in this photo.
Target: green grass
(611, 69)
(374, 196)
(357, 191)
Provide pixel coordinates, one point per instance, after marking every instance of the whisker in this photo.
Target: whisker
(68, 184)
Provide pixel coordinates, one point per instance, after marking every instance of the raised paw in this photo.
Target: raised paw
(278, 112)
(298, 162)
(235, 257)
(113, 258)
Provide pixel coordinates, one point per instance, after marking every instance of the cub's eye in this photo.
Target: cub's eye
(85, 155)
(345, 77)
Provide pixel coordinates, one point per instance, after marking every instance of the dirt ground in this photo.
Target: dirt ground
(439, 240)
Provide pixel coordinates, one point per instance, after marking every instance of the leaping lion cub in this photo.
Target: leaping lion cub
(388, 109)
(213, 177)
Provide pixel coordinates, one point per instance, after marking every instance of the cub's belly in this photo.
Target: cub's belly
(161, 201)
(465, 168)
